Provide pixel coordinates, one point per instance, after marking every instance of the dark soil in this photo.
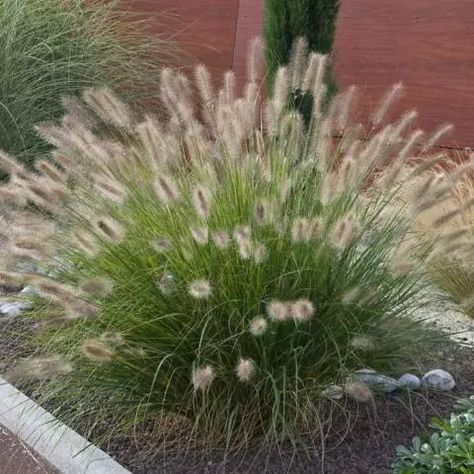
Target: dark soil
(368, 448)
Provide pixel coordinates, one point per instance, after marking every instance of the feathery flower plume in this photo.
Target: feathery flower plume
(97, 350)
(387, 101)
(108, 107)
(161, 245)
(8, 164)
(351, 296)
(358, 391)
(166, 189)
(81, 309)
(97, 286)
(278, 311)
(319, 89)
(165, 283)
(302, 310)
(407, 119)
(344, 231)
(9, 279)
(304, 230)
(300, 49)
(204, 85)
(55, 291)
(200, 289)
(255, 60)
(362, 343)
(149, 131)
(242, 233)
(112, 338)
(12, 195)
(280, 92)
(109, 229)
(261, 212)
(202, 378)
(345, 104)
(436, 136)
(86, 243)
(29, 248)
(50, 170)
(245, 370)
(260, 253)
(221, 239)
(202, 199)
(110, 188)
(229, 87)
(258, 326)
(200, 235)
(414, 140)
(310, 73)
(42, 368)
(245, 248)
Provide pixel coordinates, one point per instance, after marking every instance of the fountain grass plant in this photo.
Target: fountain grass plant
(218, 271)
(449, 229)
(53, 48)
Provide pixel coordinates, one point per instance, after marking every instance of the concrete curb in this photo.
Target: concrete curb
(54, 441)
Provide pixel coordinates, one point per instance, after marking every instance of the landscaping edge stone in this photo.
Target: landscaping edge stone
(58, 444)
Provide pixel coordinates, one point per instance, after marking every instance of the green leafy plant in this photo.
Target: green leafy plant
(449, 450)
(54, 48)
(214, 269)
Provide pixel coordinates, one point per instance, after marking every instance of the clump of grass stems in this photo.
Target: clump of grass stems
(54, 48)
(221, 266)
(448, 229)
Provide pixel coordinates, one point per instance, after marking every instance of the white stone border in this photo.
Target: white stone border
(54, 441)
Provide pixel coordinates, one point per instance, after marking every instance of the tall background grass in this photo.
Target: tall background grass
(53, 48)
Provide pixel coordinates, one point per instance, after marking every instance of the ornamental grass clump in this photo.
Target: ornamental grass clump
(448, 229)
(54, 48)
(224, 266)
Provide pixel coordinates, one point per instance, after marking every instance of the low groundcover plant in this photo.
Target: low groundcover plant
(450, 449)
(223, 267)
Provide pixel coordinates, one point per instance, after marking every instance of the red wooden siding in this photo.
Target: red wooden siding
(429, 45)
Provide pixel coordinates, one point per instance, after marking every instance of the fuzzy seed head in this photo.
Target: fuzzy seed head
(109, 229)
(166, 189)
(260, 253)
(258, 326)
(161, 245)
(362, 344)
(200, 235)
(358, 391)
(81, 309)
(43, 368)
(302, 310)
(202, 378)
(165, 283)
(278, 311)
(344, 232)
(100, 287)
(112, 338)
(221, 239)
(245, 370)
(97, 350)
(351, 296)
(200, 289)
(202, 200)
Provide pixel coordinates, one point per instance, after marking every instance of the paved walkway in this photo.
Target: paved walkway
(17, 458)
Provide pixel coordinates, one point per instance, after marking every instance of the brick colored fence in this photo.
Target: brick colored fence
(427, 44)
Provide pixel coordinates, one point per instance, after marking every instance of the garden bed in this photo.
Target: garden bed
(369, 447)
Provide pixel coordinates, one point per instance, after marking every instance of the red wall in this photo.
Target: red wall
(428, 44)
